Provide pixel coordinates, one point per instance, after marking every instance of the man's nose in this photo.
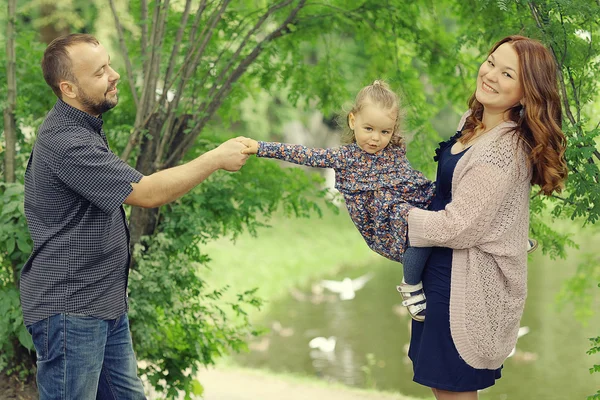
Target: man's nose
(114, 75)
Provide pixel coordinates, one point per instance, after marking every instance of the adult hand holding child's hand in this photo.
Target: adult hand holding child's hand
(251, 145)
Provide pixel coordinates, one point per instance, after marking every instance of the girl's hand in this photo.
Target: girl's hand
(251, 146)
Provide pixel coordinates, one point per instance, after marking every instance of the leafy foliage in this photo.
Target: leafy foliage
(16, 246)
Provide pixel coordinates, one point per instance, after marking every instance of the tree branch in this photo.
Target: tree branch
(176, 46)
(575, 93)
(128, 67)
(208, 111)
(188, 67)
(148, 97)
(10, 128)
(144, 44)
(563, 89)
(242, 45)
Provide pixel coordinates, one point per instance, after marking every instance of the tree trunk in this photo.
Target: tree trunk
(144, 221)
(50, 32)
(10, 129)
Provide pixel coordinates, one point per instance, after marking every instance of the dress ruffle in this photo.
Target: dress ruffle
(443, 145)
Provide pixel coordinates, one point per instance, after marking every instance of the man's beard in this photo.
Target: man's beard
(95, 107)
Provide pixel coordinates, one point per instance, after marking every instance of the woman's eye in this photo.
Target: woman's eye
(490, 63)
(507, 74)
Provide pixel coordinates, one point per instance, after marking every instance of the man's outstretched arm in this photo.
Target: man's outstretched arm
(165, 186)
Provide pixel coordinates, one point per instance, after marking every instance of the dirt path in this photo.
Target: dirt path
(243, 384)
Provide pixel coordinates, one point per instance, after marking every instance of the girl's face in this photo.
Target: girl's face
(373, 127)
(498, 81)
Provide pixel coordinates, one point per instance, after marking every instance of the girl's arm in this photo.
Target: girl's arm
(297, 154)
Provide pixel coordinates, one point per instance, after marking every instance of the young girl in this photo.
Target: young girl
(376, 180)
(372, 169)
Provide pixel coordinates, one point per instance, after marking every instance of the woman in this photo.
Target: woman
(475, 279)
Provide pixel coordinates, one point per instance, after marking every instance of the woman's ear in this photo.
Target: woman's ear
(351, 120)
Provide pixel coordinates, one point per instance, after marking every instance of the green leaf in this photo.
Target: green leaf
(25, 338)
(24, 245)
(197, 388)
(10, 245)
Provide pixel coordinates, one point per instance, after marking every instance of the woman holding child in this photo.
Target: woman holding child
(475, 278)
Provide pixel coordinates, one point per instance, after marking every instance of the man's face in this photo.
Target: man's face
(95, 86)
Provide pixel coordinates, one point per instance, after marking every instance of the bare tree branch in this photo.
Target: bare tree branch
(207, 111)
(238, 29)
(128, 67)
(170, 81)
(144, 44)
(249, 34)
(10, 128)
(176, 45)
(149, 89)
(188, 68)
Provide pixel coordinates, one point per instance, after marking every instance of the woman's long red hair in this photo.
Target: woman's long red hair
(540, 125)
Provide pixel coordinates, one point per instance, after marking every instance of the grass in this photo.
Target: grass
(302, 383)
(291, 253)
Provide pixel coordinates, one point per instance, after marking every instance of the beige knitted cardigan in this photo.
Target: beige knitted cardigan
(486, 224)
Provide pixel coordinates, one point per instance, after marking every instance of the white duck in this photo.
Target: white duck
(326, 345)
(347, 287)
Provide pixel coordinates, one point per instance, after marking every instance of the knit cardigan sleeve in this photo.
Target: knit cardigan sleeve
(477, 194)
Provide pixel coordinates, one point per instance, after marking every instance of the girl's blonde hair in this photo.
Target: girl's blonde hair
(380, 94)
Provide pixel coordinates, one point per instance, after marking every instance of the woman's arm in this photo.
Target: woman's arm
(476, 200)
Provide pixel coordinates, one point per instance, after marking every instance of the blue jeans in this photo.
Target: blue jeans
(80, 357)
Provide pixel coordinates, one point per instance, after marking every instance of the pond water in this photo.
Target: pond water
(371, 335)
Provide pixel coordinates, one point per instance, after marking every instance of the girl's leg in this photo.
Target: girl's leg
(414, 262)
(446, 395)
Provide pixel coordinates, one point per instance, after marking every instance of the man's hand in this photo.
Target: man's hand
(251, 145)
(229, 155)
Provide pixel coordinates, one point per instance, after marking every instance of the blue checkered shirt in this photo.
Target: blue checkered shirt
(74, 190)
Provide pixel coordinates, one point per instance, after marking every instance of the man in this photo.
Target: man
(74, 285)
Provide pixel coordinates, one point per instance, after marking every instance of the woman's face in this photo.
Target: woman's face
(498, 81)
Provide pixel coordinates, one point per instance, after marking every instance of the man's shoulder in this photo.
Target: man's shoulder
(59, 137)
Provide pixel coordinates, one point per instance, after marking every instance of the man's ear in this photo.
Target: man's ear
(351, 120)
(68, 89)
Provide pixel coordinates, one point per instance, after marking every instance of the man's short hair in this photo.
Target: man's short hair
(57, 65)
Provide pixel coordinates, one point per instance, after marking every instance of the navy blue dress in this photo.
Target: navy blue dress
(436, 362)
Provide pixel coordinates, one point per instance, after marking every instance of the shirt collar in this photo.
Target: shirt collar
(81, 117)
